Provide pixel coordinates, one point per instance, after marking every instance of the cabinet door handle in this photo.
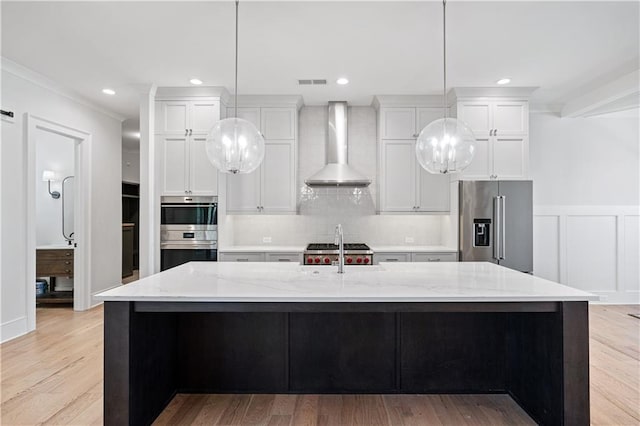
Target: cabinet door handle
(67, 263)
(284, 260)
(495, 132)
(433, 259)
(415, 135)
(390, 260)
(242, 260)
(190, 132)
(67, 254)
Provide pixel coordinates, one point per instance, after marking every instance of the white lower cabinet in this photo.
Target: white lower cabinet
(391, 257)
(260, 257)
(414, 257)
(434, 257)
(284, 257)
(241, 257)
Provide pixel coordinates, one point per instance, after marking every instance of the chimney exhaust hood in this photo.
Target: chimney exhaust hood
(337, 171)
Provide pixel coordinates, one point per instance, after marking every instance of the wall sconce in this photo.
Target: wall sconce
(48, 176)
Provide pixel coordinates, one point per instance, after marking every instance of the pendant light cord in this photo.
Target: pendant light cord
(235, 101)
(444, 57)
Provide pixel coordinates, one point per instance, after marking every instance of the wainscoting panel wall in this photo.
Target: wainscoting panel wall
(593, 248)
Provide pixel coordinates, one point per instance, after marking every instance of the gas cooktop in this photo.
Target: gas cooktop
(327, 254)
(332, 247)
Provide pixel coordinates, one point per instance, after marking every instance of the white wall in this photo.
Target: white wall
(29, 95)
(326, 207)
(56, 153)
(130, 166)
(586, 174)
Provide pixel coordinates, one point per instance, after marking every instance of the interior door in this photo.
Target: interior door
(518, 224)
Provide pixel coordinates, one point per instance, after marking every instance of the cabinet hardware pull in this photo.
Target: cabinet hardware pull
(242, 260)
(495, 132)
(284, 260)
(67, 263)
(67, 254)
(391, 260)
(433, 260)
(415, 135)
(190, 132)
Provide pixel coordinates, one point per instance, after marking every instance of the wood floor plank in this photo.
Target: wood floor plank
(54, 376)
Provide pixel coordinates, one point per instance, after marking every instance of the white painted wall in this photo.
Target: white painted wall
(586, 174)
(55, 153)
(130, 166)
(29, 94)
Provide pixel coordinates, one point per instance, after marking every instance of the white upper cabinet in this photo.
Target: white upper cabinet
(278, 123)
(501, 127)
(404, 185)
(203, 115)
(278, 175)
(272, 187)
(398, 176)
(186, 169)
(184, 117)
(203, 177)
(181, 131)
(243, 192)
(398, 123)
(174, 157)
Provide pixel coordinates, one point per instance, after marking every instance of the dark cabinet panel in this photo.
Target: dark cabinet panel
(342, 352)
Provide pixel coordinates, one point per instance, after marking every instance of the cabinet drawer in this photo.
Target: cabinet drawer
(391, 257)
(54, 254)
(54, 268)
(242, 257)
(433, 257)
(284, 257)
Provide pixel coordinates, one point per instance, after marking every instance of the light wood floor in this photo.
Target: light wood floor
(54, 376)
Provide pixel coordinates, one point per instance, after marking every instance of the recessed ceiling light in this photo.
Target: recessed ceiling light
(108, 91)
(504, 81)
(195, 81)
(342, 81)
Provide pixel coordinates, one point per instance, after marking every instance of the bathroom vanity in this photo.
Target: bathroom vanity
(55, 262)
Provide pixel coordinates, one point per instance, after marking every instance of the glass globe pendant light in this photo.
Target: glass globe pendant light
(235, 145)
(446, 145)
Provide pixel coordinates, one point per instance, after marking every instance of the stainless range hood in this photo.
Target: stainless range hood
(337, 171)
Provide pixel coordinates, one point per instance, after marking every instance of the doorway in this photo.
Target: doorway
(58, 241)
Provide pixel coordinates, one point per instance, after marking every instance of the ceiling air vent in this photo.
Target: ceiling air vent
(312, 82)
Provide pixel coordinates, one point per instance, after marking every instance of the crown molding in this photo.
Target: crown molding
(38, 79)
(267, 101)
(433, 101)
(173, 93)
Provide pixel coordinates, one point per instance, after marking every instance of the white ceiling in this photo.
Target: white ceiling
(382, 47)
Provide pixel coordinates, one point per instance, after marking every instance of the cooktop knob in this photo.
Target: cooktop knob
(349, 260)
(359, 260)
(327, 260)
(317, 260)
(309, 259)
(366, 260)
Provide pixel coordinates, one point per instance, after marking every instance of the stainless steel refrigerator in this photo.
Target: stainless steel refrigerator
(496, 223)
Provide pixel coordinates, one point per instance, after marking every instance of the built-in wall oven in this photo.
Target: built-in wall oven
(188, 230)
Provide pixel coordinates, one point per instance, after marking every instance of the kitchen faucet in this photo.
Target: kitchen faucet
(339, 241)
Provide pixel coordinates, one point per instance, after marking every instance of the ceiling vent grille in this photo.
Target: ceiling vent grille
(310, 82)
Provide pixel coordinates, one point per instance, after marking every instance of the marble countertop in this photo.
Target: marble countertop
(388, 282)
(413, 249)
(265, 248)
(55, 247)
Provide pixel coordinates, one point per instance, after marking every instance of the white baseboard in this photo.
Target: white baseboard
(14, 328)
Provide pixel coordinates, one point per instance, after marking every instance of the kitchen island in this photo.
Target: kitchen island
(394, 328)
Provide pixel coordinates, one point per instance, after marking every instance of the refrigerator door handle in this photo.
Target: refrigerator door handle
(497, 239)
(503, 231)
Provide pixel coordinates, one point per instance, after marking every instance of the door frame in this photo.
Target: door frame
(82, 210)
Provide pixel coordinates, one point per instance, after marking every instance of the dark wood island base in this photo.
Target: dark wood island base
(537, 352)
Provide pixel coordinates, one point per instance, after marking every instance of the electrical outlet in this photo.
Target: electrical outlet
(266, 239)
(409, 240)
